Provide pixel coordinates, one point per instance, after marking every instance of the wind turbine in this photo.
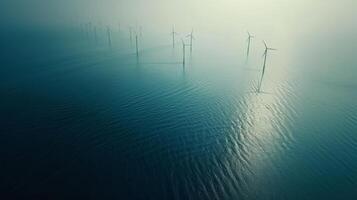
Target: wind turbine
(95, 34)
(89, 28)
(137, 45)
(109, 37)
(82, 29)
(173, 33)
(191, 38)
(184, 53)
(131, 34)
(249, 42)
(267, 49)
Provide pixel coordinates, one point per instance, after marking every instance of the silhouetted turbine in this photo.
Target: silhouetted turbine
(173, 33)
(109, 36)
(131, 34)
(82, 28)
(89, 29)
(95, 34)
(191, 38)
(265, 61)
(183, 53)
(249, 42)
(137, 45)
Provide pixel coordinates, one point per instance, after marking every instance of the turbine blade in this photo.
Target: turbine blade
(265, 44)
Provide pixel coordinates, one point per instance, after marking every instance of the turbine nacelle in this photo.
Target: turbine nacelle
(250, 35)
(267, 48)
(173, 32)
(191, 35)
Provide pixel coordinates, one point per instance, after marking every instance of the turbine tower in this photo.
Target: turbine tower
(267, 49)
(183, 53)
(131, 35)
(137, 45)
(141, 31)
(109, 36)
(173, 33)
(249, 42)
(95, 34)
(191, 38)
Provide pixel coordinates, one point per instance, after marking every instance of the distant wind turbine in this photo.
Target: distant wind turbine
(267, 49)
(249, 42)
(109, 36)
(131, 34)
(87, 30)
(173, 33)
(183, 53)
(82, 28)
(90, 27)
(191, 38)
(137, 45)
(95, 34)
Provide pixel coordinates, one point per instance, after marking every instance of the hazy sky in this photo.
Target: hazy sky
(277, 20)
(206, 13)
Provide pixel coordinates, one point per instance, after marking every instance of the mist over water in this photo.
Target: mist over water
(82, 118)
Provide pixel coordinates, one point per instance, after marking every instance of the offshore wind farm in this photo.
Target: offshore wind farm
(185, 99)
